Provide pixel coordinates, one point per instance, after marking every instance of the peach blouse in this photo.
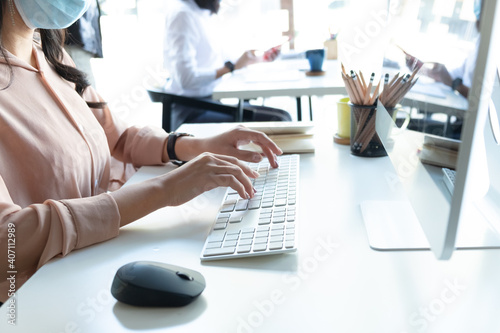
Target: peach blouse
(58, 160)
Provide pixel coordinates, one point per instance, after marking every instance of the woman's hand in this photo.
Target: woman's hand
(247, 58)
(228, 143)
(437, 72)
(204, 173)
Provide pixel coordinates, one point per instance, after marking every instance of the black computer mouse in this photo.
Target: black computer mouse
(148, 283)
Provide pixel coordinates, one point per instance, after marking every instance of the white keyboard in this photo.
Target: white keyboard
(263, 225)
(449, 179)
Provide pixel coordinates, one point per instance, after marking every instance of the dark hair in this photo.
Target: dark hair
(52, 42)
(211, 5)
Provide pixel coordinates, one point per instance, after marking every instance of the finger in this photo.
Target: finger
(232, 182)
(263, 141)
(271, 156)
(233, 176)
(247, 155)
(236, 161)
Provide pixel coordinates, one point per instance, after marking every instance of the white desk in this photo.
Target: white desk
(288, 78)
(333, 283)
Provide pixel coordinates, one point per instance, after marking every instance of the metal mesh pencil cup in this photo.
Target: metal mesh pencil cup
(364, 138)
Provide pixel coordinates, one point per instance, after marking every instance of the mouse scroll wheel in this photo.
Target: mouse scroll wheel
(184, 276)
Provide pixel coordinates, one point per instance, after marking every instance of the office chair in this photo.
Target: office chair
(167, 99)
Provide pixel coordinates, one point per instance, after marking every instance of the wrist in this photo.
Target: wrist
(173, 151)
(187, 147)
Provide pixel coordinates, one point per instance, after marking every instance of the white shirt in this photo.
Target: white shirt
(466, 70)
(190, 53)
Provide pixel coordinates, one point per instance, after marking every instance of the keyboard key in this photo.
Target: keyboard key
(276, 239)
(246, 242)
(216, 236)
(242, 205)
(261, 234)
(218, 252)
(246, 236)
(236, 219)
(257, 247)
(227, 208)
(220, 226)
(214, 245)
(244, 248)
(276, 233)
(275, 245)
(254, 204)
(232, 237)
(260, 240)
(230, 243)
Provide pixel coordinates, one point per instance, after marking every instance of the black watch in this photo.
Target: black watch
(456, 83)
(172, 138)
(229, 65)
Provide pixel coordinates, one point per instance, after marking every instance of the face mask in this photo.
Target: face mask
(51, 14)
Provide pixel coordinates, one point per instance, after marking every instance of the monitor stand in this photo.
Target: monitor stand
(393, 226)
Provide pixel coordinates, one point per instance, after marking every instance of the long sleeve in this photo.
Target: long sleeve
(128, 144)
(190, 53)
(43, 231)
(58, 159)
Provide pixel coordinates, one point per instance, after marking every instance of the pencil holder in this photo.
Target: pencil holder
(364, 138)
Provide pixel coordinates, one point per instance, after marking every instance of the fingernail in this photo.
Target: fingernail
(254, 190)
(256, 174)
(257, 158)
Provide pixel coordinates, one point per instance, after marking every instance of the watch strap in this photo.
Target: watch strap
(456, 83)
(172, 138)
(229, 65)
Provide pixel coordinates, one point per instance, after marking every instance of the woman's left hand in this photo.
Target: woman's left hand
(228, 143)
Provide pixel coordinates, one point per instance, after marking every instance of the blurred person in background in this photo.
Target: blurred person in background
(194, 59)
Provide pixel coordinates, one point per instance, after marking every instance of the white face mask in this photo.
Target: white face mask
(51, 14)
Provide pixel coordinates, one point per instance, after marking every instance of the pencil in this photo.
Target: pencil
(375, 93)
(394, 89)
(369, 90)
(398, 92)
(386, 87)
(343, 69)
(359, 88)
(362, 80)
(352, 97)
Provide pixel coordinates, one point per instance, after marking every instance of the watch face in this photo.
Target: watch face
(229, 65)
(456, 83)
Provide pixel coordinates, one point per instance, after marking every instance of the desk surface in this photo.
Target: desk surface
(288, 78)
(333, 283)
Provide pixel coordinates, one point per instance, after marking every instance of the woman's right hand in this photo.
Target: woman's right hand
(247, 58)
(204, 173)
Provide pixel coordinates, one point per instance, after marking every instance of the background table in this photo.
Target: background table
(288, 78)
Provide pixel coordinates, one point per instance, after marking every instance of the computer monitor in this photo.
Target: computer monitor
(430, 217)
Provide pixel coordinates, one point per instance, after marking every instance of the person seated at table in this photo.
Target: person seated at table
(459, 78)
(195, 63)
(64, 155)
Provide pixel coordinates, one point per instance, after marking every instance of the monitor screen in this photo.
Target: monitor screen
(431, 217)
